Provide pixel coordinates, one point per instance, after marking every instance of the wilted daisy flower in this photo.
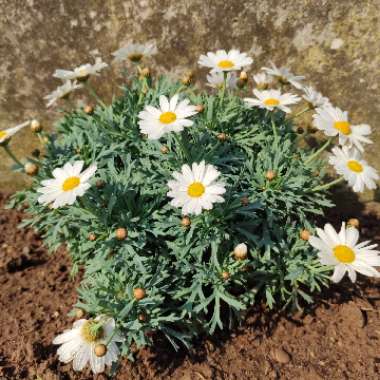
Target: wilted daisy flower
(271, 99)
(284, 75)
(89, 341)
(333, 121)
(171, 116)
(135, 52)
(195, 188)
(6, 134)
(216, 80)
(353, 168)
(68, 184)
(342, 251)
(223, 61)
(61, 92)
(82, 72)
(262, 80)
(314, 98)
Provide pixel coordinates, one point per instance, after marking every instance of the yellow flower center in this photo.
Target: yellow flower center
(3, 134)
(355, 166)
(344, 254)
(343, 127)
(135, 57)
(226, 64)
(272, 102)
(70, 183)
(168, 117)
(196, 190)
(91, 332)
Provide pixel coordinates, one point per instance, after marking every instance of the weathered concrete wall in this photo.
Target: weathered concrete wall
(334, 43)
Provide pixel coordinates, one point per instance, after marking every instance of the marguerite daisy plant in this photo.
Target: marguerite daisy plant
(334, 122)
(62, 92)
(350, 164)
(6, 134)
(216, 80)
(135, 52)
(284, 75)
(81, 73)
(272, 99)
(225, 61)
(89, 341)
(195, 188)
(342, 251)
(170, 116)
(69, 182)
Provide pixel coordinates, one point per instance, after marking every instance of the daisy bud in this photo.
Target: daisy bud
(305, 235)
(187, 78)
(91, 236)
(225, 275)
(30, 168)
(199, 107)
(164, 149)
(100, 184)
(45, 140)
(270, 175)
(79, 313)
(353, 222)
(185, 221)
(88, 109)
(300, 130)
(100, 350)
(139, 293)
(144, 73)
(240, 251)
(142, 317)
(221, 136)
(243, 76)
(244, 201)
(121, 233)
(35, 126)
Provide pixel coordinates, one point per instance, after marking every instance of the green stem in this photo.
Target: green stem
(11, 155)
(274, 129)
(328, 185)
(300, 113)
(319, 151)
(94, 94)
(223, 90)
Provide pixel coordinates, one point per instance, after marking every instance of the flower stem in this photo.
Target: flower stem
(274, 129)
(12, 156)
(328, 185)
(319, 151)
(300, 113)
(94, 94)
(223, 90)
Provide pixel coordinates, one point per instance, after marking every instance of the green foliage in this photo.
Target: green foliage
(192, 281)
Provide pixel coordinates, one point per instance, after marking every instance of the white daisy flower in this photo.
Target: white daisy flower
(68, 184)
(81, 344)
(170, 116)
(271, 99)
(333, 121)
(6, 134)
(342, 251)
(314, 98)
(82, 72)
(195, 188)
(135, 52)
(284, 75)
(61, 92)
(354, 169)
(262, 80)
(216, 80)
(223, 61)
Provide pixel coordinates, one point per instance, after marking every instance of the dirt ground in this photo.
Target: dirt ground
(339, 338)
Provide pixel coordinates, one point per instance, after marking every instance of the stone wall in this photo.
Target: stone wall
(334, 43)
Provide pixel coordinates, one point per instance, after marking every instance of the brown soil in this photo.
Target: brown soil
(338, 339)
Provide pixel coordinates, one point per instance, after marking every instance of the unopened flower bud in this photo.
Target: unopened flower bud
(89, 109)
(225, 275)
(100, 184)
(79, 313)
(243, 76)
(91, 236)
(353, 222)
(100, 350)
(187, 78)
(270, 175)
(305, 235)
(121, 233)
(221, 136)
(164, 149)
(199, 107)
(185, 221)
(142, 317)
(144, 73)
(31, 168)
(139, 293)
(244, 201)
(240, 251)
(35, 126)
